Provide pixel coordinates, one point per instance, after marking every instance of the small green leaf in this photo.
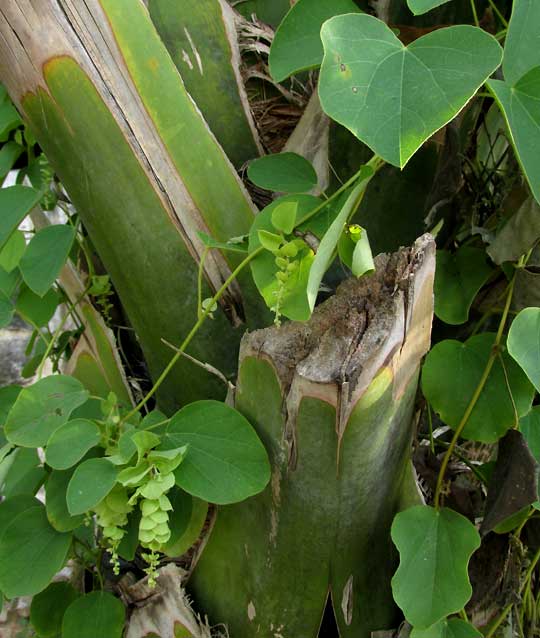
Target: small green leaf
(91, 482)
(42, 408)
(392, 97)
(451, 374)
(284, 216)
(226, 462)
(458, 278)
(45, 255)
(297, 43)
(70, 443)
(434, 547)
(418, 7)
(524, 343)
(38, 311)
(55, 503)
(93, 615)
(231, 245)
(130, 541)
(362, 259)
(8, 281)
(283, 172)
(12, 251)
(453, 628)
(31, 553)
(294, 303)
(328, 246)
(269, 241)
(144, 441)
(9, 118)
(9, 153)
(15, 203)
(48, 607)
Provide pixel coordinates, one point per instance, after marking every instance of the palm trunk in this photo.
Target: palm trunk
(333, 402)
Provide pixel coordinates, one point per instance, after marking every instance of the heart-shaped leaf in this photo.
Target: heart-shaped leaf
(35, 309)
(45, 255)
(15, 203)
(93, 615)
(524, 343)
(418, 7)
(529, 426)
(91, 482)
(70, 443)
(297, 43)
(452, 628)
(392, 97)
(458, 278)
(521, 50)
(42, 408)
(520, 104)
(283, 172)
(451, 374)
(31, 553)
(434, 547)
(7, 310)
(13, 506)
(48, 607)
(226, 462)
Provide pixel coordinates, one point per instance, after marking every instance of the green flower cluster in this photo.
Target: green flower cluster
(112, 516)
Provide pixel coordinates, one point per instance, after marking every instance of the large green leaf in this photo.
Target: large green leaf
(520, 104)
(418, 7)
(521, 50)
(393, 97)
(453, 628)
(31, 552)
(435, 547)
(45, 255)
(71, 442)
(524, 343)
(451, 374)
(93, 615)
(48, 607)
(225, 462)
(91, 482)
(458, 278)
(283, 172)
(15, 203)
(12, 507)
(42, 408)
(297, 43)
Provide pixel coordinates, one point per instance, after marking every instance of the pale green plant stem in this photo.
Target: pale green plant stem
(475, 13)
(476, 395)
(57, 332)
(193, 332)
(503, 20)
(200, 276)
(375, 162)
